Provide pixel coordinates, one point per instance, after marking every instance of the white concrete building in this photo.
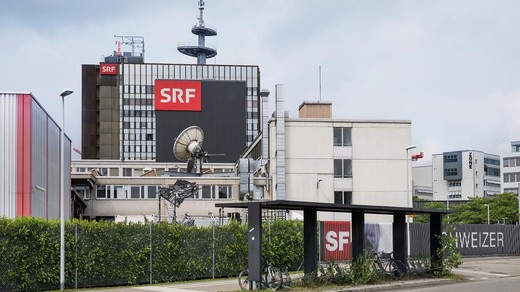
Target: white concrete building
(460, 175)
(511, 169)
(339, 160)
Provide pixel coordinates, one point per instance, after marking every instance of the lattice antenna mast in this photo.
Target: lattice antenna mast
(135, 42)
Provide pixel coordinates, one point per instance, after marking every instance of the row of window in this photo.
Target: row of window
(450, 158)
(454, 183)
(512, 177)
(342, 168)
(451, 171)
(215, 192)
(492, 161)
(512, 162)
(455, 195)
(343, 197)
(342, 136)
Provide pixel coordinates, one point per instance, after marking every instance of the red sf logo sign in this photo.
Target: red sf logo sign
(174, 95)
(108, 69)
(336, 241)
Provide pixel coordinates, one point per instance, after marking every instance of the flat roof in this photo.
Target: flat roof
(330, 207)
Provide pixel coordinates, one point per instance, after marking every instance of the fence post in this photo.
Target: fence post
(76, 259)
(151, 279)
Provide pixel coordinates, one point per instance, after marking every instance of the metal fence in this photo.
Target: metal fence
(147, 255)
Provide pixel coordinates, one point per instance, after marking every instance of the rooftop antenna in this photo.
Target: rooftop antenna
(135, 42)
(320, 83)
(201, 50)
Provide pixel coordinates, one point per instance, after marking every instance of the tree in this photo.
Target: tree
(475, 212)
(429, 205)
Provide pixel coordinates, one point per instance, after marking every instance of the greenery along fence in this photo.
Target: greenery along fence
(106, 254)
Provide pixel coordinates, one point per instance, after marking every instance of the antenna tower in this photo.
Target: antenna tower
(201, 50)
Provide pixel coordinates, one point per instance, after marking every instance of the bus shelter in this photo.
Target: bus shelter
(310, 210)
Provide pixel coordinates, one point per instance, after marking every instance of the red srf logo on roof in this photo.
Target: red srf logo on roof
(175, 95)
(108, 69)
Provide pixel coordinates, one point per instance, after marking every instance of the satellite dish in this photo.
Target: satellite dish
(188, 143)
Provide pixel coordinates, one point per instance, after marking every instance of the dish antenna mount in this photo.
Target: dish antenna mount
(188, 147)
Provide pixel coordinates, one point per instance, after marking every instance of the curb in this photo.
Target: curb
(401, 284)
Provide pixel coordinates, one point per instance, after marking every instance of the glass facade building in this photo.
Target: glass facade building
(123, 112)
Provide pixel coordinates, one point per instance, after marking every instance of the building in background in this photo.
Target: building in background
(30, 160)
(511, 169)
(460, 175)
(422, 181)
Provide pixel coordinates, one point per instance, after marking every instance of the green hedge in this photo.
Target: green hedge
(105, 253)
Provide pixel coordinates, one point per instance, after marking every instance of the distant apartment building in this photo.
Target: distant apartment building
(511, 169)
(460, 175)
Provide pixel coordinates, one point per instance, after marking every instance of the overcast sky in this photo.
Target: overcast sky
(451, 67)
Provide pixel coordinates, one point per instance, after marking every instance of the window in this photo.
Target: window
(101, 192)
(343, 197)
(127, 171)
(134, 192)
(119, 192)
(342, 168)
(224, 192)
(152, 192)
(342, 136)
(206, 192)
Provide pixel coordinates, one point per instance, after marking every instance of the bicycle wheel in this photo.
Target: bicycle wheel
(396, 270)
(273, 278)
(243, 280)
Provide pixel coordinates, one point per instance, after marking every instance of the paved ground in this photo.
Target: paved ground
(473, 269)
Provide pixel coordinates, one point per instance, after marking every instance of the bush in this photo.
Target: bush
(106, 254)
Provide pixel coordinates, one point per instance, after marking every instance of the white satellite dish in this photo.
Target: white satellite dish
(188, 147)
(188, 143)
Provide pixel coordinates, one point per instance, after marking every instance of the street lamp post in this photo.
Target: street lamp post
(62, 191)
(408, 197)
(407, 175)
(487, 205)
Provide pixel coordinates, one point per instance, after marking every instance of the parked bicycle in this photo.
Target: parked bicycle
(385, 264)
(271, 278)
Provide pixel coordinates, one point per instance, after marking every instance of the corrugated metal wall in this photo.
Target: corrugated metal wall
(53, 170)
(38, 161)
(8, 113)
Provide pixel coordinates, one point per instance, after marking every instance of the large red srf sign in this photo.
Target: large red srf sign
(175, 95)
(108, 69)
(336, 241)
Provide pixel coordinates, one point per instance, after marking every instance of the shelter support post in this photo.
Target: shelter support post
(358, 234)
(254, 244)
(399, 239)
(310, 262)
(435, 240)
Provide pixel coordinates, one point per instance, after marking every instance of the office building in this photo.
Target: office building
(460, 175)
(511, 169)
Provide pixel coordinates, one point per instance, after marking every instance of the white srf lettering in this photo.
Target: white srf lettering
(175, 95)
(332, 242)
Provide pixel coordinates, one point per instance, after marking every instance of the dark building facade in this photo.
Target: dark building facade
(120, 121)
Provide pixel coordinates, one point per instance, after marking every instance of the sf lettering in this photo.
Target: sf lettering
(177, 95)
(337, 240)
